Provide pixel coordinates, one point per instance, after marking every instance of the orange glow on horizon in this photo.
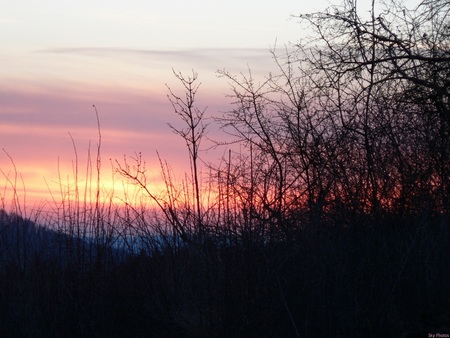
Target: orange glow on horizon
(37, 189)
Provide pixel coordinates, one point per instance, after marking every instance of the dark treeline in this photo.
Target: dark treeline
(332, 219)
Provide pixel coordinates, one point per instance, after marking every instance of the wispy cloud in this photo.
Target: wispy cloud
(157, 52)
(215, 58)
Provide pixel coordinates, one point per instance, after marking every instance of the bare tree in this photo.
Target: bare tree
(405, 51)
(193, 132)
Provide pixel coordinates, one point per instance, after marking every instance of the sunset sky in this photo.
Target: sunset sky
(59, 58)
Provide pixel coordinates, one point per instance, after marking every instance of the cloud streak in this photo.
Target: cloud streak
(212, 58)
(127, 87)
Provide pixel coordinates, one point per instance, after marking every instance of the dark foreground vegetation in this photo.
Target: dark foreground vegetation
(387, 279)
(331, 219)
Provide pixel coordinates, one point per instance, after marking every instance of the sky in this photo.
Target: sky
(59, 58)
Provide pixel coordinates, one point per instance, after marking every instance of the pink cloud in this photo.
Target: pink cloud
(38, 123)
(43, 112)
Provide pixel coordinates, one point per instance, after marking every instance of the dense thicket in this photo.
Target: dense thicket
(362, 280)
(357, 119)
(332, 218)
